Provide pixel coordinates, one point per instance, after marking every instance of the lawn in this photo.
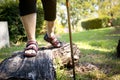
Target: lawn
(98, 48)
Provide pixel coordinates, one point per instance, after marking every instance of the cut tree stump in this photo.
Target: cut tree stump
(41, 67)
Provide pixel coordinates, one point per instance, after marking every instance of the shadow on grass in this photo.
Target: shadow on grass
(107, 62)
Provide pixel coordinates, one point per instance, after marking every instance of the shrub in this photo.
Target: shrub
(9, 12)
(40, 19)
(95, 23)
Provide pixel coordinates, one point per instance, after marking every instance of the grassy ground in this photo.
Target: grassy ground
(97, 47)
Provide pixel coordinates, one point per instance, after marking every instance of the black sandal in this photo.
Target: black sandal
(53, 40)
(30, 46)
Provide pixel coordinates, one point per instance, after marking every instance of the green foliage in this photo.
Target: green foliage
(40, 19)
(82, 9)
(9, 11)
(95, 23)
(116, 21)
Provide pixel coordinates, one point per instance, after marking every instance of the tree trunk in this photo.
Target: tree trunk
(18, 67)
(118, 49)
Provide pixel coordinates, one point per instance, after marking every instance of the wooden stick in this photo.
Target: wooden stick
(70, 37)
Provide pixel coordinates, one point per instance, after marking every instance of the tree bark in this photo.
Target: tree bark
(41, 67)
(118, 49)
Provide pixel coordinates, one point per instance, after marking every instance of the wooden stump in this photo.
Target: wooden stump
(41, 67)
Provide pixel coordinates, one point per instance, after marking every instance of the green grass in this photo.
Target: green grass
(97, 46)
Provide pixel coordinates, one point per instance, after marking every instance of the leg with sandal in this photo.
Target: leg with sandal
(28, 17)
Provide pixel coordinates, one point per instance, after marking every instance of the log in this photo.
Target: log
(41, 67)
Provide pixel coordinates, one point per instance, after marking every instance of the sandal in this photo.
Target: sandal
(52, 40)
(31, 45)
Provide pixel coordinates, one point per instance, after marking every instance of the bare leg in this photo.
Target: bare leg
(50, 28)
(50, 37)
(29, 23)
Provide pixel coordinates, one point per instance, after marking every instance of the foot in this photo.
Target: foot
(31, 49)
(53, 40)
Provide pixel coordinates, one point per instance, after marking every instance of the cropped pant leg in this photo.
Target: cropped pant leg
(29, 6)
(49, 7)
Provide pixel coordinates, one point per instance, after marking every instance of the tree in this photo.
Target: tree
(109, 7)
(81, 9)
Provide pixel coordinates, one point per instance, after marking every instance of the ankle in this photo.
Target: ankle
(29, 40)
(50, 34)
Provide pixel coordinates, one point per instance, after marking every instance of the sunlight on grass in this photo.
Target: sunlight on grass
(115, 77)
(97, 75)
(84, 45)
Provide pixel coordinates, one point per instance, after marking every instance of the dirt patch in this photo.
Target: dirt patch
(86, 67)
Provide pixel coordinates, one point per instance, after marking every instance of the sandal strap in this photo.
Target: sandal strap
(53, 40)
(30, 47)
(31, 42)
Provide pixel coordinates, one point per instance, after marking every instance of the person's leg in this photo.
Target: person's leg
(49, 7)
(29, 23)
(50, 28)
(28, 18)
